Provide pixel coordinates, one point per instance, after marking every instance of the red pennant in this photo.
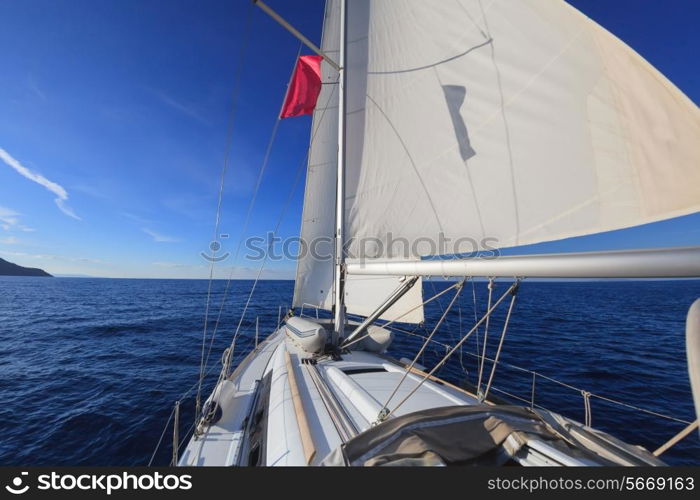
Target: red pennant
(304, 88)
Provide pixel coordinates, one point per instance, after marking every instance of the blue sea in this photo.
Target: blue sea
(90, 368)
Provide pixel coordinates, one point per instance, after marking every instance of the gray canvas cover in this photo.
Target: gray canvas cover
(442, 436)
(471, 435)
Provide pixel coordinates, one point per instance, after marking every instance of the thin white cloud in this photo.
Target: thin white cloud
(66, 209)
(157, 237)
(15, 254)
(9, 220)
(172, 265)
(83, 260)
(86, 260)
(185, 109)
(35, 88)
(10, 240)
(89, 190)
(136, 218)
(57, 189)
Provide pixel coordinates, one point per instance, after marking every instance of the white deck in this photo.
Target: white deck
(220, 444)
(337, 400)
(361, 396)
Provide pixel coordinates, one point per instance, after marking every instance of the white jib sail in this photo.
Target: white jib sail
(314, 279)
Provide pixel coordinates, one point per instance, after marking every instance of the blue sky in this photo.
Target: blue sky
(113, 118)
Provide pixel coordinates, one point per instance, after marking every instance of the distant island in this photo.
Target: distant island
(10, 269)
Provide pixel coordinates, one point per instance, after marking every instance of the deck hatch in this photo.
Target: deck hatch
(357, 371)
(257, 428)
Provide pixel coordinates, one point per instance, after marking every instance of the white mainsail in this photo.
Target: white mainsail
(476, 124)
(519, 121)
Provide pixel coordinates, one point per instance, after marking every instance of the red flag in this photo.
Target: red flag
(303, 88)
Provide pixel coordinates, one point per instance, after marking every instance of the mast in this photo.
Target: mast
(339, 233)
(339, 271)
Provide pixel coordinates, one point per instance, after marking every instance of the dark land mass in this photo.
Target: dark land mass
(10, 269)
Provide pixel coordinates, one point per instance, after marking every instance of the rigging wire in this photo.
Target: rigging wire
(384, 415)
(491, 287)
(450, 332)
(283, 213)
(500, 345)
(279, 222)
(461, 351)
(476, 317)
(227, 152)
(162, 435)
(165, 428)
(384, 325)
(458, 292)
(246, 221)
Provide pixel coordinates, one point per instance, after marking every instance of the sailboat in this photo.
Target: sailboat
(435, 124)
